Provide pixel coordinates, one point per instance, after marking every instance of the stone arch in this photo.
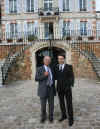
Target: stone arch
(39, 45)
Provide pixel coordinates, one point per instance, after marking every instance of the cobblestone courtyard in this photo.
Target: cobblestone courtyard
(20, 107)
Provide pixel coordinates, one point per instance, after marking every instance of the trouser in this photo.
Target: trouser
(66, 97)
(50, 99)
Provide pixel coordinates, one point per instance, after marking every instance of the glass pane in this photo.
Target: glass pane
(32, 5)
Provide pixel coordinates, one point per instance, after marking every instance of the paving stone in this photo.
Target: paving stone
(20, 107)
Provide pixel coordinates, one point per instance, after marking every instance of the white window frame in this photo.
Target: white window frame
(30, 26)
(83, 7)
(15, 30)
(48, 2)
(66, 28)
(83, 28)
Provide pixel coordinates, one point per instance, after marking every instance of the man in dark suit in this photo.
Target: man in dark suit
(46, 89)
(65, 80)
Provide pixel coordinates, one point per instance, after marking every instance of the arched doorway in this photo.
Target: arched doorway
(46, 51)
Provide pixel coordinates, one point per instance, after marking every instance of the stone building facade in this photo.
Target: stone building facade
(49, 19)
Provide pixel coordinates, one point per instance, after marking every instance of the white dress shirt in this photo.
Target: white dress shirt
(47, 69)
(61, 66)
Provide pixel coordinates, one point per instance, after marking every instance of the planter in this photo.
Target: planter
(91, 38)
(9, 40)
(20, 40)
(32, 38)
(79, 38)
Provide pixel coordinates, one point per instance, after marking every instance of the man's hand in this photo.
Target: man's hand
(46, 73)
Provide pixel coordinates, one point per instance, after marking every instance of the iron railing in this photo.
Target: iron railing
(48, 11)
(57, 34)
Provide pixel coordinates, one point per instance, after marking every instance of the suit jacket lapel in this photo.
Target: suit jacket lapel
(64, 67)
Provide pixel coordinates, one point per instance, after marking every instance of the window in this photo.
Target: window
(82, 5)
(48, 30)
(30, 5)
(66, 28)
(13, 29)
(30, 27)
(48, 5)
(65, 5)
(83, 28)
(12, 6)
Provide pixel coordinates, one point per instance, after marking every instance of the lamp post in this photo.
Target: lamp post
(50, 41)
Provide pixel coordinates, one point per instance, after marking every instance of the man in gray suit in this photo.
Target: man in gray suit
(46, 88)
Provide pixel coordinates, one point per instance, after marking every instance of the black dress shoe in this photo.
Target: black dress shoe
(62, 118)
(71, 122)
(51, 120)
(42, 120)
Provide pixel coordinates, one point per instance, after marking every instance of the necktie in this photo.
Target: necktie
(49, 82)
(60, 68)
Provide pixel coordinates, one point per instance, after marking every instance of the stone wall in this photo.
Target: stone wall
(22, 69)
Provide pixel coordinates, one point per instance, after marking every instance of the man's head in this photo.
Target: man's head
(47, 60)
(61, 59)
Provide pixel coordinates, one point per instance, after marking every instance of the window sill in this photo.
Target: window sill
(14, 13)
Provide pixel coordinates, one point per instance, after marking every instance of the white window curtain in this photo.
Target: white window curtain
(65, 5)
(13, 6)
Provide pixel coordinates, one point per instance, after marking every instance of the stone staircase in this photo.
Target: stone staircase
(91, 57)
(10, 60)
(1, 82)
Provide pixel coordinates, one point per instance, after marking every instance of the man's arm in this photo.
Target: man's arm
(55, 72)
(39, 75)
(72, 78)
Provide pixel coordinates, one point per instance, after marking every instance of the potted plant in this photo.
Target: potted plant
(79, 38)
(91, 38)
(31, 38)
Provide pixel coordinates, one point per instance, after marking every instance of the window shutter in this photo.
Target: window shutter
(35, 5)
(61, 28)
(19, 6)
(60, 5)
(7, 6)
(25, 6)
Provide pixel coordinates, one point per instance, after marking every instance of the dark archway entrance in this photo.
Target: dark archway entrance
(46, 51)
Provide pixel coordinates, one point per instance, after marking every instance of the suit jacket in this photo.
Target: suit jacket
(65, 78)
(42, 79)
